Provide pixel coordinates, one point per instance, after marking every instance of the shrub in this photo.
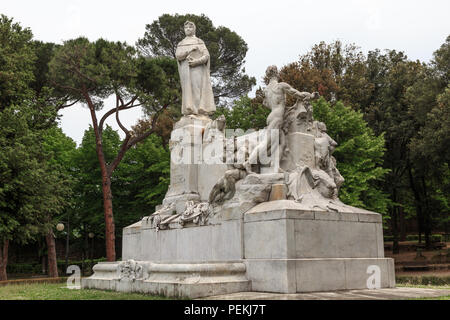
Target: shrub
(423, 280)
(412, 237)
(436, 238)
(24, 268)
(36, 268)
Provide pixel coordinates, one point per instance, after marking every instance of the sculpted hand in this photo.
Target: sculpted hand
(192, 62)
(315, 95)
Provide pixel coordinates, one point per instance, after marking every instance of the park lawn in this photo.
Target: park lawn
(447, 297)
(58, 291)
(408, 285)
(438, 298)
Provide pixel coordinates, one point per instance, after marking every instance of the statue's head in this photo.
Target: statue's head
(321, 126)
(221, 122)
(271, 73)
(189, 28)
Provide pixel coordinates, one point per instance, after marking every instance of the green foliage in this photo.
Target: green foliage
(226, 48)
(359, 155)
(87, 214)
(24, 268)
(159, 83)
(244, 114)
(138, 184)
(29, 187)
(141, 181)
(32, 187)
(412, 237)
(60, 148)
(16, 62)
(58, 291)
(99, 68)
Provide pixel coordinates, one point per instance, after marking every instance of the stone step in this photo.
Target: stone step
(191, 280)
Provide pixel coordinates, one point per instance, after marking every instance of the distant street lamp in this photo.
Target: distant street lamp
(91, 236)
(60, 227)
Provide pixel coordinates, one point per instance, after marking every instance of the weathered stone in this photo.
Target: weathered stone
(193, 66)
(258, 211)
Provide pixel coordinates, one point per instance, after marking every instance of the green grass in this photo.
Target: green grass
(58, 291)
(438, 298)
(408, 285)
(423, 280)
(445, 287)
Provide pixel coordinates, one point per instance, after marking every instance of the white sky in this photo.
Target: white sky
(276, 32)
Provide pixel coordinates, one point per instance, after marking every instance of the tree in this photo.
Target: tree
(87, 214)
(138, 184)
(26, 185)
(226, 48)
(91, 72)
(20, 175)
(141, 180)
(336, 71)
(245, 114)
(59, 150)
(16, 62)
(31, 190)
(429, 105)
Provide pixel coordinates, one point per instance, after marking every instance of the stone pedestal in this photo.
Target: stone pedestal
(190, 177)
(277, 246)
(291, 250)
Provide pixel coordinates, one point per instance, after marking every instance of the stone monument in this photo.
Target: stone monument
(252, 212)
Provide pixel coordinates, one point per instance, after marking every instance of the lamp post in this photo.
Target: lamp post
(91, 236)
(60, 227)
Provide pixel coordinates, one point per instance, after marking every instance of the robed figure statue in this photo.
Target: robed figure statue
(193, 66)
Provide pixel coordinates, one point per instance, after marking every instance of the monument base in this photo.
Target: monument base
(314, 275)
(187, 280)
(277, 246)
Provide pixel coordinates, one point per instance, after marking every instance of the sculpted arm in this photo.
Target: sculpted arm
(182, 52)
(203, 59)
(302, 95)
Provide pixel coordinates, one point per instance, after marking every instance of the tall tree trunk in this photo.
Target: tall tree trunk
(418, 203)
(109, 219)
(402, 219)
(427, 218)
(395, 233)
(51, 253)
(106, 185)
(4, 260)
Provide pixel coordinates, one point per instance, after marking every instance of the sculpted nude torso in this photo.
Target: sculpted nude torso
(275, 99)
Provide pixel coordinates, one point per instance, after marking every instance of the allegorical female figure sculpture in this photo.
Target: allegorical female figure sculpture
(194, 67)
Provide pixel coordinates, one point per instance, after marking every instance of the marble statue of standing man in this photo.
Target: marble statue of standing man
(193, 66)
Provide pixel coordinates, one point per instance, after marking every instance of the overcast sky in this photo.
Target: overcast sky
(276, 32)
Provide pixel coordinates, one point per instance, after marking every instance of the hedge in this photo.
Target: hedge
(415, 237)
(423, 280)
(36, 268)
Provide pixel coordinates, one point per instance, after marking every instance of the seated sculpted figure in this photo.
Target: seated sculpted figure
(275, 99)
(194, 69)
(324, 146)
